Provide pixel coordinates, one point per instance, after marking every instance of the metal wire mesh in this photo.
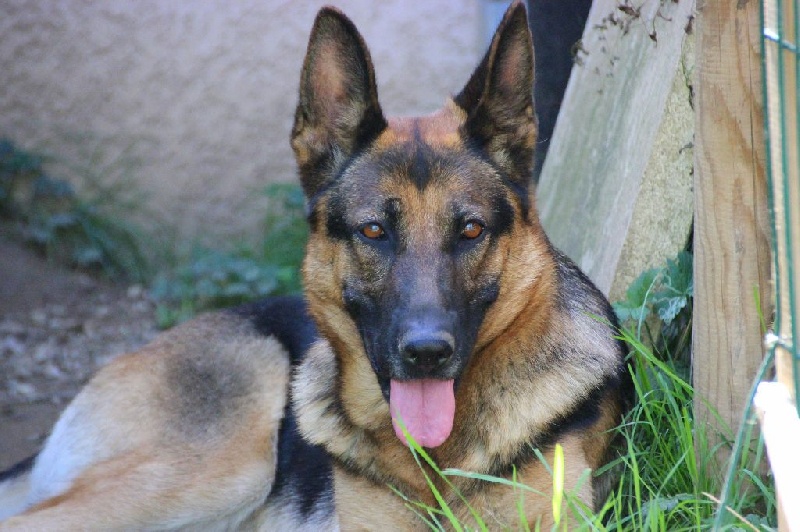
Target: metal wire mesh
(780, 38)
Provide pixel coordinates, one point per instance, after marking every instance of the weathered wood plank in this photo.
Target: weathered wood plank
(661, 222)
(731, 242)
(612, 112)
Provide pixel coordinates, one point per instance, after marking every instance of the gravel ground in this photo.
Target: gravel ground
(57, 327)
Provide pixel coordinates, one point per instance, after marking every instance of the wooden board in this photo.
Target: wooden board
(661, 222)
(732, 256)
(612, 112)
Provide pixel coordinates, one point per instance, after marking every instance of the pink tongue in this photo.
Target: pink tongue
(426, 407)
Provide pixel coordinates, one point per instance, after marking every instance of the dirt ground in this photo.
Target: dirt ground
(57, 327)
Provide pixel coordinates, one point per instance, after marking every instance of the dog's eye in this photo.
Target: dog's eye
(373, 231)
(472, 230)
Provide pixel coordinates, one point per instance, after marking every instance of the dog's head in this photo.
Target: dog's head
(419, 226)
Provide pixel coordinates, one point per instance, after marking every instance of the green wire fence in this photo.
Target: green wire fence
(777, 403)
(781, 35)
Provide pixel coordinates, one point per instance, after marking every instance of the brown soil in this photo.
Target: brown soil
(57, 327)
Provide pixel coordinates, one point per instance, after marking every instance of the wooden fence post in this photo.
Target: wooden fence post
(731, 242)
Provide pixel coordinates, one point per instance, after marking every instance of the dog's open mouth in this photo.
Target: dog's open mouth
(426, 407)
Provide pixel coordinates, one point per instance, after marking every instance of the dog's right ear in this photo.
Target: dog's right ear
(338, 110)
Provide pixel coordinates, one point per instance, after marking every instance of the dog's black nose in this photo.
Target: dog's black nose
(427, 353)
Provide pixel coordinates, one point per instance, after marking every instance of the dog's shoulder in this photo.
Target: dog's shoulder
(285, 318)
(302, 493)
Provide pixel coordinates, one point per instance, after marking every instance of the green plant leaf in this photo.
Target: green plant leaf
(637, 294)
(678, 274)
(668, 308)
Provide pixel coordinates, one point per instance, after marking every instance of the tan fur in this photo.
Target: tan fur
(154, 469)
(439, 130)
(385, 510)
(497, 505)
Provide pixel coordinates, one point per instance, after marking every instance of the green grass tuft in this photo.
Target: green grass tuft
(83, 233)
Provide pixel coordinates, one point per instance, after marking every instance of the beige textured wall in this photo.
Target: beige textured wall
(195, 98)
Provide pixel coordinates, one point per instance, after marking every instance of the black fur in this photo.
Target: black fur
(286, 318)
(577, 290)
(204, 393)
(18, 469)
(304, 472)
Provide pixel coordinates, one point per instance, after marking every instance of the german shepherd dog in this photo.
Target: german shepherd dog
(435, 307)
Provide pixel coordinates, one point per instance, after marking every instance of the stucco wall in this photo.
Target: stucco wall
(194, 99)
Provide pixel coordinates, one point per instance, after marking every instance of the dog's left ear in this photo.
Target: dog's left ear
(498, 98)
